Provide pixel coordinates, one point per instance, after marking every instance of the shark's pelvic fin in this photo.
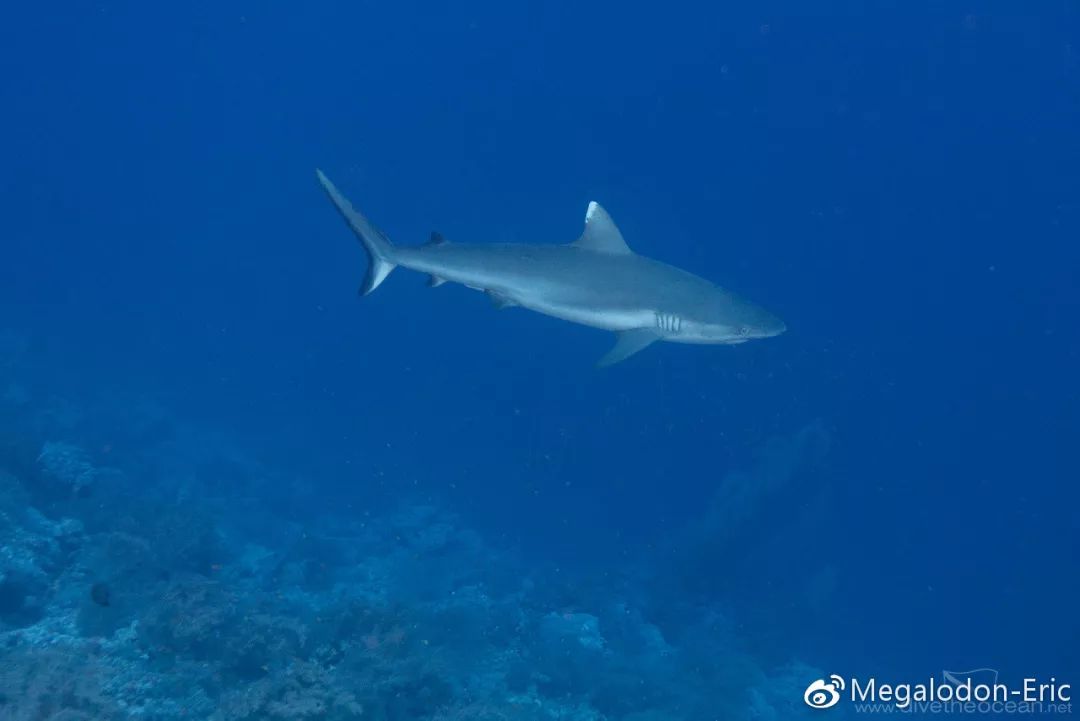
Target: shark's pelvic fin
(379, 248)
(499, 300)
(601, 234)
(435, 281)
(627, 343)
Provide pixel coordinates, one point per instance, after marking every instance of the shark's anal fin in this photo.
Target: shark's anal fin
(499, 300)
(601, 234)
(627, 343)
(436, 239)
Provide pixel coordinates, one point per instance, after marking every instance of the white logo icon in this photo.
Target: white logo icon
(824, 694)
(987, 676)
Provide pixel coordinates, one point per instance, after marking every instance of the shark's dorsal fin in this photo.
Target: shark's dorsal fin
(601, 234)
(436, 239)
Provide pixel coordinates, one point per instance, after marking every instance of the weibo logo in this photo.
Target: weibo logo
(824, 694)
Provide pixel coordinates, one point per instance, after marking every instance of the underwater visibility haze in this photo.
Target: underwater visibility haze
(231, 489)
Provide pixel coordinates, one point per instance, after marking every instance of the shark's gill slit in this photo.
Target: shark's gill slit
(669, 322)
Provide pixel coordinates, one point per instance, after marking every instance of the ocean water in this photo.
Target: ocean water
(230, 489)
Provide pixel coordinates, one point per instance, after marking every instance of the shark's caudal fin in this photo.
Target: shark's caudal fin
(379, 248)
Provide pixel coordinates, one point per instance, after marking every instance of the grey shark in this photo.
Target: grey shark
(595, 281)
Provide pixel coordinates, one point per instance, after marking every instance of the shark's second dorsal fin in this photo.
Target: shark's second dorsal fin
(601, 234)
(436, 239)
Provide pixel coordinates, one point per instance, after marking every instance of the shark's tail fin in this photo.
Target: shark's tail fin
(379, 248)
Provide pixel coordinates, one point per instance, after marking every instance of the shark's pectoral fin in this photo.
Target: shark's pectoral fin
(435, 281)
(499, 300)
(627, 343)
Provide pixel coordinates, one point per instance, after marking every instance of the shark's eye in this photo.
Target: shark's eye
(742, 330)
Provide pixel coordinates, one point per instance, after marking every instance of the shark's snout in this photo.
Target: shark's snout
(772, 327)
(763, 324)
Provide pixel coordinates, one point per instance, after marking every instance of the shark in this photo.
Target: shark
(596, 281)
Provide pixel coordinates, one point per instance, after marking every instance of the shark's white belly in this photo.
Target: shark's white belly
(606, 318)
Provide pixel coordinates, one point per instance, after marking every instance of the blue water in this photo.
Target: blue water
(888, 488)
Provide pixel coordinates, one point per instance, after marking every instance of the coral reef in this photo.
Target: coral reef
(181, 584)
(67, 465)
(54, 683)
